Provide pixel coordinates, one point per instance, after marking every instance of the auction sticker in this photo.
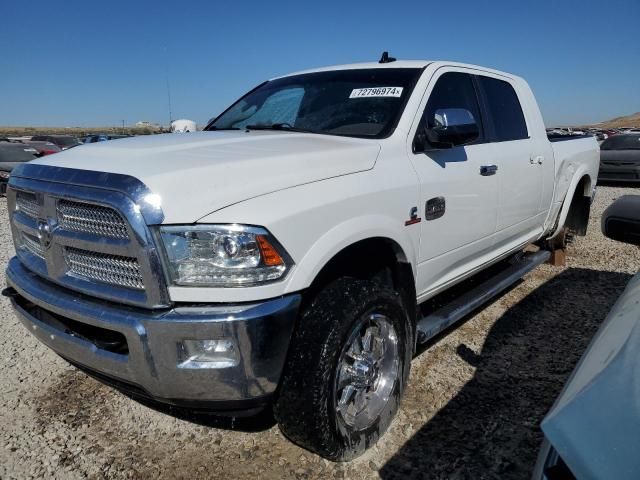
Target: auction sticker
(376, 92)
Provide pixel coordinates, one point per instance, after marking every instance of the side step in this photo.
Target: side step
(434, 323)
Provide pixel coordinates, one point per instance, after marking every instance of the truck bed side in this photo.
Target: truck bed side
(576, 162)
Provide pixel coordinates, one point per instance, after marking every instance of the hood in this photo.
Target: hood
(9, 166)
(595, 423)
(198, 173)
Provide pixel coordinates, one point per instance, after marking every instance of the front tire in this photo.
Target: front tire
(348, 363)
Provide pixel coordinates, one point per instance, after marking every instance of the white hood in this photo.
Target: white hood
(198, 173)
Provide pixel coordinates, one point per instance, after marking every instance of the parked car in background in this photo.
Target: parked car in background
(102, 137)
(44, 148)
(620, 158)
(63, 141)
(593, 429)
(12, 154)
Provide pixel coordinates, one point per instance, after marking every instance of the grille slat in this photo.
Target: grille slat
(106, 268)
(32, 245)
(27, 203)
(94, 219)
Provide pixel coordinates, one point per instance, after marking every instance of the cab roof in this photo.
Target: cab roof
(397, 64)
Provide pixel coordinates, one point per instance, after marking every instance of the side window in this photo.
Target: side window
(452, 90)
(504, 110)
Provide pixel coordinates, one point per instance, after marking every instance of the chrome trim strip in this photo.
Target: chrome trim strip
(125, 184)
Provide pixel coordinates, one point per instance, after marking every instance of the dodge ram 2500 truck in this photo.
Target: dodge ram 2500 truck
(290, 255)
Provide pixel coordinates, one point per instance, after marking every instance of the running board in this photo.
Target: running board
(434, 323)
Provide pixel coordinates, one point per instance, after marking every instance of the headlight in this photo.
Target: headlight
(222, 255)
(4, 175)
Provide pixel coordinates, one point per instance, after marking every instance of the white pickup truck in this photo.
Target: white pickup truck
(290, 255)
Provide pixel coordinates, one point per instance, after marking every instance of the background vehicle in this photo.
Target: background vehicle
(12, 154)
(620, 158)
(43, 148)
(183, 126)
(63, 141)
(103, 137)
(591, 431)
(287, 256)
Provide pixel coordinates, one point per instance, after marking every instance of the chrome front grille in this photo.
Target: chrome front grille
(32, 245)
(27, 203)
(105, 268)
(85, 237)
(94, 219)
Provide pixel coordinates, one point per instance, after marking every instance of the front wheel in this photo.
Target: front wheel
(347, 367)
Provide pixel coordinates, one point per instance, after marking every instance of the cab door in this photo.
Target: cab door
(458, 187)
(519, 159)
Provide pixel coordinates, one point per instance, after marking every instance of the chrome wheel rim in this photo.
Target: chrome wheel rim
(367, 372)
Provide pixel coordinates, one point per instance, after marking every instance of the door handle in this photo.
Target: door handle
(488, 170)
(536, 159)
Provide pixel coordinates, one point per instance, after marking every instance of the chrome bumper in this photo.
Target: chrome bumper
(151, 361)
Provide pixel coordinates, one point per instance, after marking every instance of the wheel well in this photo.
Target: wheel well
(378, 259)
(580, 207)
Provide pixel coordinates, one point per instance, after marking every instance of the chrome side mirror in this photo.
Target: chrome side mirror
(451, 127)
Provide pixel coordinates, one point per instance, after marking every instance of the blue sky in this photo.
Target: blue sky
(72, 63)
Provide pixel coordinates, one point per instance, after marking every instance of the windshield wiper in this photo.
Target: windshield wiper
(278, 126)
(218, 129)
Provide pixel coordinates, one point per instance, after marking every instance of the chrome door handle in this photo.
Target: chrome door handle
(536, 159)
(488, 170)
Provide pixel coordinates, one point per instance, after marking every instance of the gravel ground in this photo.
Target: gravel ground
(472, 409)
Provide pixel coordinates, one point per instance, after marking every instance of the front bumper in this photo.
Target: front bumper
(128, 346)
(629, 172)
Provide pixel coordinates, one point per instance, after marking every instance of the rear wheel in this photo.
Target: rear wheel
(347, 367)
(562, 240)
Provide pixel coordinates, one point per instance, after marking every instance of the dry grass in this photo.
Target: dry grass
(74, 131)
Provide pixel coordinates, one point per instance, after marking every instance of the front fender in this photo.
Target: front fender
(342, 236)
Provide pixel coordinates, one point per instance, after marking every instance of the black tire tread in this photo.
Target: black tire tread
(303, 395)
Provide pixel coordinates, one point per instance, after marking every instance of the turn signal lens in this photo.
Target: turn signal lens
(270, 255)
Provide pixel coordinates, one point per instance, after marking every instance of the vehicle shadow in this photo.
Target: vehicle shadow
(618, 184)
(490, 429)
(256, 422)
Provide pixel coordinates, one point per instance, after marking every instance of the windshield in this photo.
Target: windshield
(359, 103)
(621, 142)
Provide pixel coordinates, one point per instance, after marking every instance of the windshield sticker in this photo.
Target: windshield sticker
(376, 92)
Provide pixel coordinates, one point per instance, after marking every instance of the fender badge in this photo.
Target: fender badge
(413, 214)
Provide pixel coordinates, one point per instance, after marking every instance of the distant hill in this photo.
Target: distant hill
(632, 120)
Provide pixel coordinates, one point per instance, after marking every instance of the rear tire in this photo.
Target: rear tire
(347, 367)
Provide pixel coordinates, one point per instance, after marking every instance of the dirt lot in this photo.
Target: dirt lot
(474, 402)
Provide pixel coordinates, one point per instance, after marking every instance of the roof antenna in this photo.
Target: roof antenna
(385, 58)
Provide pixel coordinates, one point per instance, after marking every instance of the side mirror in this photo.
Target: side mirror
(451, 127)
(621, 220)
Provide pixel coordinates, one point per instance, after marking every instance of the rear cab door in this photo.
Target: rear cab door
(524, 159)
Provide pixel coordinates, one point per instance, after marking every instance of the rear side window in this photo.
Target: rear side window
(504, 110)
(452, 90)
